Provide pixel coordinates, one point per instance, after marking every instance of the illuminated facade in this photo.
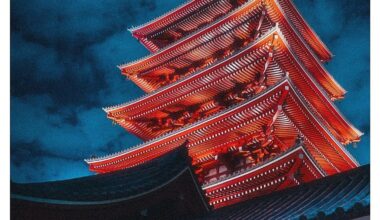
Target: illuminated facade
(242, 83)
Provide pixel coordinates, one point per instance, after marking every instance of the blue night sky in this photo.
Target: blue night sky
(63, 70)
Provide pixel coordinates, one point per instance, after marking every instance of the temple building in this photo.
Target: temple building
(239, 105)
(166, 188)
(243, 84)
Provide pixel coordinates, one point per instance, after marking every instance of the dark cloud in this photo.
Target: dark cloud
(344, 26)
(74, 24)
(63, 70)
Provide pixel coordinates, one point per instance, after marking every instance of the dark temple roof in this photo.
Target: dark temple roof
(110, 187)
(163, 189)
(324, 195)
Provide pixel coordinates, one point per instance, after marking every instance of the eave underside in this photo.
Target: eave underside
(226, 75)
(293, 168)
(325, 195)
(295, 116)
(179, 18)
(181, 22)
(159, 63)
(190, 51)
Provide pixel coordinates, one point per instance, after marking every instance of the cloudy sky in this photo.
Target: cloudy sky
(63, 70)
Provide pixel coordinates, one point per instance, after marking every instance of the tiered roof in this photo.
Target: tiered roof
(273, 175)
(349, 191)
(191, 15)
(293, 117)
(226, 74)
(242, 82)
(181, 21)
(344, 190)
(197, 48)
(240, 79)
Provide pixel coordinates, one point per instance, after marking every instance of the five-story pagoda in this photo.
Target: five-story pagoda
(242, 82)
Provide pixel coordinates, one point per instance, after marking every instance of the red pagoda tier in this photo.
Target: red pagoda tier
(242, 83)
(261, 64)
(226, 36)
(292, 168)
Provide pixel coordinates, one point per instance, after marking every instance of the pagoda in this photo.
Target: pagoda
(242, 84)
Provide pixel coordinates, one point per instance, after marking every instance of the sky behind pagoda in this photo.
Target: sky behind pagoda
(63, 70)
